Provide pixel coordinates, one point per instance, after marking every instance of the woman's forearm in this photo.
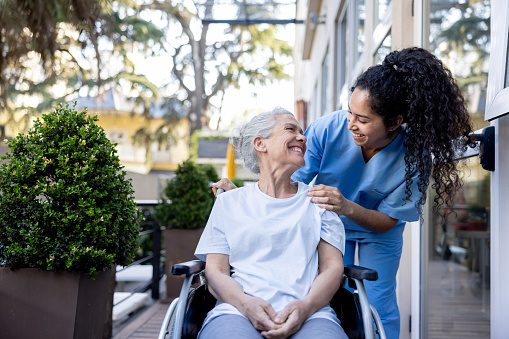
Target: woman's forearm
(223, 287)
(323, 289)
(329, 277)
(226, 289)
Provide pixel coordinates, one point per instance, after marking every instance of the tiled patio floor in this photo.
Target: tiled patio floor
(147, 324)
(458, 303)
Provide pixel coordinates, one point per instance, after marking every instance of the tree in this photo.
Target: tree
(92, 54)
(463, 27)
(51, 52)
(204, 66)
(29, 35)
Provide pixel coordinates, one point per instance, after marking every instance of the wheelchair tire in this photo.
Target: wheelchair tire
(171, 325)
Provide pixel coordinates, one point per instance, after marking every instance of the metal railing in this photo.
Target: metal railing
(155, 233)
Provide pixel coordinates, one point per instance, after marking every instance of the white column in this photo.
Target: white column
(499, 221)
(500, 232)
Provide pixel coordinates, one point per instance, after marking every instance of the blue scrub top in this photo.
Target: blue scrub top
(335, 160)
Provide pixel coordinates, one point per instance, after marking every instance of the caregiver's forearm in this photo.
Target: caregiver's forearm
(371, 220)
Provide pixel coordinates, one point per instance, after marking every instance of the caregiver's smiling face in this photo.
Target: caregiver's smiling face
(367, 127)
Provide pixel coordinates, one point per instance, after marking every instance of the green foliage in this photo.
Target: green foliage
(463, 28)
(210, 172)
(62, 37)
(188, 198)
(65, 204)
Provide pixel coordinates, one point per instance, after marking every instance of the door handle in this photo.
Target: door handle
(486, 138)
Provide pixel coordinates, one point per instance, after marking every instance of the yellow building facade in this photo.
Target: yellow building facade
(122, 121)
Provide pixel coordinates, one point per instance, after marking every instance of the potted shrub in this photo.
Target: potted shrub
(67, 216)
(183, 211)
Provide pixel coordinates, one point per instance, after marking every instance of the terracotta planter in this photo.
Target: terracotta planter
(179, 246)
(42, 304)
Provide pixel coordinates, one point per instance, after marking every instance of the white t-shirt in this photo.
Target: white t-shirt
(271, 244)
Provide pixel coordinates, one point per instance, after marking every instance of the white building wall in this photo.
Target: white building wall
(308, 73)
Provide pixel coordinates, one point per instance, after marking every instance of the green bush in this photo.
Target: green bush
(188, 197)
(65, 204)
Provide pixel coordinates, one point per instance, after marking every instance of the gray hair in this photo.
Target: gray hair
(261, 125)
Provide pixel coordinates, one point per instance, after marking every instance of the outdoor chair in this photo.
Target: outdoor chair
(186, 314)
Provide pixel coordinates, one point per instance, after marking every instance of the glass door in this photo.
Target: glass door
(458, 263)
(455, 286)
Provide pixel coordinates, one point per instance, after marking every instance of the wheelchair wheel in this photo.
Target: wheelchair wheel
(167, 324)
(378, 327)
(171, 325)
(375, 336)
(172, 331)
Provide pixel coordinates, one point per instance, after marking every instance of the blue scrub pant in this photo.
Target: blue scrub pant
(383, 255)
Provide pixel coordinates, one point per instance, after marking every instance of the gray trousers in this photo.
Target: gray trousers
(236, 327)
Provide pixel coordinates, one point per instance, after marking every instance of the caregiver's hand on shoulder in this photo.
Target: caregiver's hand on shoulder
(331, 199)
(291, 317)
(224, 184)
(260, 313)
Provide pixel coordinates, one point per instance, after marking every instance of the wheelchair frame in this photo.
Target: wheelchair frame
(173, 321)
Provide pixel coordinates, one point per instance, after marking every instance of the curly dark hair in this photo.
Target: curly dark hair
(415, 84)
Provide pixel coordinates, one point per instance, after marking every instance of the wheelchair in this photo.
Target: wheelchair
(186, 314)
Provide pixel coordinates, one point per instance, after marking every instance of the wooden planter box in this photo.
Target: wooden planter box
(43, 304)
(179, 246)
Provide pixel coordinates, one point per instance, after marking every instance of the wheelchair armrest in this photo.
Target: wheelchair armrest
(360, 273)
(188, 268)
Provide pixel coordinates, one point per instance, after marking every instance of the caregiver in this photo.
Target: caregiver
(372, 164)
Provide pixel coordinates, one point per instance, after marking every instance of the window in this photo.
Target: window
(383, 7)
(341, 58)
(384, 49)
(360, 15)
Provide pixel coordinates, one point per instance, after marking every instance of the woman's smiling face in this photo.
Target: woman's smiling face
(368, 128)
(287, 144)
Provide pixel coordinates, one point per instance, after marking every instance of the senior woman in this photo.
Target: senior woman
(284, 251)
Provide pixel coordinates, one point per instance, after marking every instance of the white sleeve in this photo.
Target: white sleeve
(213, 238)
(332, 229)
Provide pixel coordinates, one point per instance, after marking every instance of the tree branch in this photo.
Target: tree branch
(178, 74)
(185, 26)
(218, 85)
